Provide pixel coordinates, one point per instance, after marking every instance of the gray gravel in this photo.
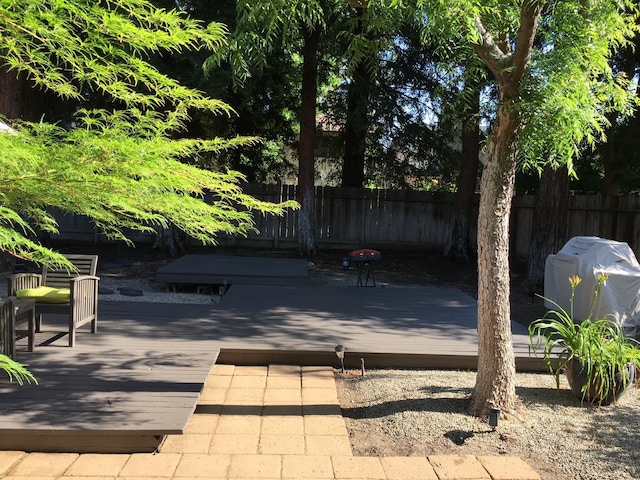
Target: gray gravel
(402, 412)
(151, 292)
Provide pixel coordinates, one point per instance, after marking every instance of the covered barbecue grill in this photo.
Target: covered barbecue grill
(587, 257)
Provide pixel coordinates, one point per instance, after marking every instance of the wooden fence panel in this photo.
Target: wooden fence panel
(629, 221)
(392, 219)
(521, 224)
(584, 215)
(373, 221)
(353, 217)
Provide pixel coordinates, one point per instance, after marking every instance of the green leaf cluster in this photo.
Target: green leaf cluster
(73, 46)
(124, 167)
(568, 87)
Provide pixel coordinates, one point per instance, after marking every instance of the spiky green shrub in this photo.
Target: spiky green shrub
(599, 344)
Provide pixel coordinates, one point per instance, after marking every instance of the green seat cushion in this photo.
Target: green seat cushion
(45, 294)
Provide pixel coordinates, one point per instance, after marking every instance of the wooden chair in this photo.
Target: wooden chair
(13, 312)
(82, 306)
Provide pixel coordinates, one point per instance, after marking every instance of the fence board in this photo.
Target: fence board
(353, 217)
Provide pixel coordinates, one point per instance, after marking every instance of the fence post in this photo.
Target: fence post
(276, 233)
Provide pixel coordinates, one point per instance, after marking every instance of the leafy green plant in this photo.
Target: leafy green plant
(16, 370)
(599, 344)
(129, 166)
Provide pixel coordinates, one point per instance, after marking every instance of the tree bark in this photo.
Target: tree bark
(549, 228)
(19, 98)
(306, 184)
(495, 381)
(357, 123)
(620, 141)
(169, 241)
(457, 244)
(620, 137)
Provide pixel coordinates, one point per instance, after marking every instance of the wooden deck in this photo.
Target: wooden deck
(233, 270)
(139, 377)
(120, 390)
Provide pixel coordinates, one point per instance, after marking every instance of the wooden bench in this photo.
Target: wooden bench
(82, 306)
(14, 312)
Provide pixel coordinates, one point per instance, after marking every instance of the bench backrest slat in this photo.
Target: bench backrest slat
(85, 264)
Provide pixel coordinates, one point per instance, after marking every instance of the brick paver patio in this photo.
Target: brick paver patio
(276, 422)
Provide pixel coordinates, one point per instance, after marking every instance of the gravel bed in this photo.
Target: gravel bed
(423, 412)
(151, 292)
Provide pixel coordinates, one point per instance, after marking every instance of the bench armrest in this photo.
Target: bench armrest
(84, 283)
(20, 281)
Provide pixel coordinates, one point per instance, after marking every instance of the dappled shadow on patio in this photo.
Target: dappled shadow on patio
(144, 368)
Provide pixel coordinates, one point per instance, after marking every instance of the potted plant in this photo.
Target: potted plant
(600, 362)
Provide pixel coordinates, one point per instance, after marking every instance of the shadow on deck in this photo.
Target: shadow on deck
(139, 378)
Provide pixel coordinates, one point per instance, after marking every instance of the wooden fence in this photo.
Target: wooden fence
(349, 218)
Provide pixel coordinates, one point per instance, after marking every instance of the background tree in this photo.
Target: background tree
(457, 243)
(120, 166)
(357, 120)
(619, 154)
(549, 224)
(552, 96)
(306, 191)
(266, 104)
(267, 25)
(410, 138)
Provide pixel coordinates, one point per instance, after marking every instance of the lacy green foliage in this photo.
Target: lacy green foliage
(599, 344)
(16, 371)
(67, 46)
(121, 167)
(120, 176)
(263, 26)
(267, 25)
(568, 86)
(571, 86)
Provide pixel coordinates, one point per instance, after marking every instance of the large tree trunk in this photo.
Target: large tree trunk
(549, 229)
(357, 124)
(169, 241)
(19, 99)
(620, 137)
(306, 185)
(495, 381)
(457, 244)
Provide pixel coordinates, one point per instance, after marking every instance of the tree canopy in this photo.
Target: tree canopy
(121, 165)
(551, 64)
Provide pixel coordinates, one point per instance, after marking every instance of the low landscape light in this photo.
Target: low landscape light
(494, 415)
(340, 354)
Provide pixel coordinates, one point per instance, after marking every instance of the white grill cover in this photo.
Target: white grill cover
(587, 257)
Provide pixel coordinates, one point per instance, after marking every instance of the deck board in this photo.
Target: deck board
(112, 392)
(233, 270)
(139, 377)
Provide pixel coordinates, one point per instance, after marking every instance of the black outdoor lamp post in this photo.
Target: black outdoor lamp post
(494, 415)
